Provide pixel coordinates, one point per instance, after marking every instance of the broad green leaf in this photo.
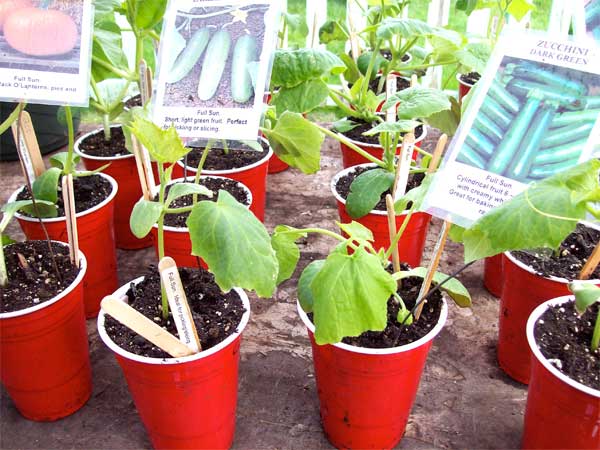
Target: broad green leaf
(234, 244)
(146, 15)
(363, 61)
(292, 67)
(105, 8)
(164, 146)
(418, 102)
(454, 288)
(6, 240)
(107, 46)
(536, 217)
(305, 295)
(447, 120)
(344, 125)
(414, 196)
(180, 189)
(327, 113)
(519, 8)
(405, 28)
(468, 6)
(143, 217)
(332, 31)
(284, 243)
(149, 52)
(401, 126)
(356, 231)
(585, 295)
(301, 98)
(366, 190)
(474, 56)
(59, 160)
(350, 295)
(45, 208)
(297, 142)
(351, 74)
(45, 187)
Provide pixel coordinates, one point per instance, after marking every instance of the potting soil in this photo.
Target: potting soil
(96, 145)
(217, 159)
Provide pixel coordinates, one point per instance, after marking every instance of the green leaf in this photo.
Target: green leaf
(284, 243)
(585, 295)
(363, 61)
(105, 8)
(59, 160)
(401, 126)
(297, 142)
(519, 8)
(332, 31)
(45, 187)
(6, 240)
(454, 288)
(107, 46)
(143, 217)
(305, 295)
(447, 120)
(46, 209)
(351, 73)
(366, 190)
(180, 189)
(350, 295)
(356, 231)
(327, 113)
(292, 67)
(405, 28)
(468, 6)
(516, 225)
(474, 56)
(145, 15)
(301, 98)
(414, 196)
(164, 146)
(234, 244)
(344, 125)
(149, 52)
(418, 102)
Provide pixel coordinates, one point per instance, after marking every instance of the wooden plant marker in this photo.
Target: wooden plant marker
(391, 215)
(69, 205)
(437, 153)
(403, 167)
(138, 151)
(179, 304)
(145, 75)
(143, 326)
(354, 45)
(28, 146)
(591, 264)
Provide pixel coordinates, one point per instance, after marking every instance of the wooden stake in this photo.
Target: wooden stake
(414, 80)
(70, 217)
(179, 304)
(437, 153)
(28, 148)
(403, 167)
(143, 326)
(354, 47)
(390, 89)
(435, 262)
(391, 215)
(142, 172)
(145, 75)
(591, 264)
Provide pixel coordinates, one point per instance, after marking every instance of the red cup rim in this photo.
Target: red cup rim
(339, 198)
(98, 158)
(458, 75)
(236, 170)
(533, 318)
(108, 199)
(78, 279)
(377, 146)
(176, 180)
(121, 292)
(384, 351)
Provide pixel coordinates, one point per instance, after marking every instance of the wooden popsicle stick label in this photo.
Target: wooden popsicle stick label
(403, 168)
(145, 82)
(143, 326)
(180, 308)
(139, 162)
(28, 146)
(437, 153)
(70, 217)
(391, 214)
(591, 264)
(390, 89)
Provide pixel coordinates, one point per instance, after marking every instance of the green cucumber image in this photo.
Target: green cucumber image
(213, 64)
(189, 57)
(241, 82)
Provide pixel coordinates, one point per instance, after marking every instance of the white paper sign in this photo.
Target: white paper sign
(213, 67)
(535, 112)
(592, 19)
(45, 53)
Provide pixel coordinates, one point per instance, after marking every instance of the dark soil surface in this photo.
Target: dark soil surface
(395, 333)
(343, 185)
(216, 315)
(217, 159)
(356, 134)
(32, 279)
(134, 101)
(388, 55)
(214, 184)
(470, 78)
(185, 92)
(572, 256)
(89, 192)
(564, 339)
(401, 84)
(96, 145)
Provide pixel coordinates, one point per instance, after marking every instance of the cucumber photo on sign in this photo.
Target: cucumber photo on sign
(535, 120)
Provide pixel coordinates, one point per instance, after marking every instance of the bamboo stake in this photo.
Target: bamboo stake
(145, 75)
(143, 326)
(391, 215)
(142, 173)
(403, 167)
(591, 264)
(437, 153)
(70, 217)
(354, 47)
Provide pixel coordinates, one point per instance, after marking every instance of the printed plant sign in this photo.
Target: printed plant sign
(45, 50)
(592, 18)
(534, 114)
(214, 64)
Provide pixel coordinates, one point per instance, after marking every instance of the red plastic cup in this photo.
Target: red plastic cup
(177, 240)
(561, 413)
(463, 88)
(366, 394)
(45, 357)
(124, 170)
(96, 239)
(523, 291)
(253, 176)
(411, 243)
(492, 274)
(185, 402)
(276, 165)
(351, 158)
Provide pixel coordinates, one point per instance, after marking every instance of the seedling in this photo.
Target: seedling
(587, 295)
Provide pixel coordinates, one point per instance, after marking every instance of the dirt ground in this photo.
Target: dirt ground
(464, 401)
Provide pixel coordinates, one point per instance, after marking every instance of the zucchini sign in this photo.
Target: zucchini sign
(535, 112)
(45, 51)
(214, 65)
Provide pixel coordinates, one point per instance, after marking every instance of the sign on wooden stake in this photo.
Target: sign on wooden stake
(28, 146)
(69, 205)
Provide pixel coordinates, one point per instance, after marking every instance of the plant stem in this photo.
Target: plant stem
(345, 108)
(365, 86)
(121, 73)
(12, 117)
(161, 237)
(106, 126)
(3, 271)
(69, 163)
(596, 334)
(209, 144)
(183, 209)
(345, 141)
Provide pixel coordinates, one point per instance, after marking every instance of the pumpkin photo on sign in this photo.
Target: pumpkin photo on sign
(44, 48)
